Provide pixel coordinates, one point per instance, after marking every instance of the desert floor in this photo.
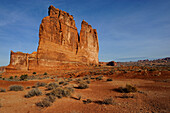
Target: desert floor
(153, 96)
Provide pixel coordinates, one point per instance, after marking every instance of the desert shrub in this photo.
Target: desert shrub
(86, 78)
(79, 80)
(92, 78)
(61, 82)
(34, 73)
(45, 73)
(83, 85)
(108, 101)
(99, 78)
(52, 85)
(40, 84)
(11, 77)
(34, 86)
(79, 97)
(61, 92)
(127, 89)
(16, 88)
(109, 79)
(88, 81)
(33, 92)
(71, 89)
(44, 103)
(2, 90)
(69, 79)
(51, 98)
(0, 105)
(28, 87)
(126, 96)
(65, 83)
(23, 77)
(87, 101)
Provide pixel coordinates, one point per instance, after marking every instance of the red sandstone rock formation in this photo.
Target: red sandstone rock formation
(59, 45)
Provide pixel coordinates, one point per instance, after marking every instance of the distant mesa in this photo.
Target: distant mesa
(60, 45)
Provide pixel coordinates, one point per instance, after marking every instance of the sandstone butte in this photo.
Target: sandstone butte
(60, 45)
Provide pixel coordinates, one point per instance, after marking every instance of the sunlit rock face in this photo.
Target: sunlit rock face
(59, 44)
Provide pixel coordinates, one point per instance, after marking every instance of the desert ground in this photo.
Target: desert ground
(105, 91)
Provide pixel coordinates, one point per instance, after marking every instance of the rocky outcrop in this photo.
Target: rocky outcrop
(59, 44)
(89, 46)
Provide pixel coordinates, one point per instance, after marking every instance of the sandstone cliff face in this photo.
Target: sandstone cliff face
(59, 44)
(58, 38)
(89, 46)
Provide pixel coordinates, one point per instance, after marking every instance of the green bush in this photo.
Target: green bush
(45, 73)
(23, 77)
(11, 77)
(33, 92)
(16, 88)
(34, 73)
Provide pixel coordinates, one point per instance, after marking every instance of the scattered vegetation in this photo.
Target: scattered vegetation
(40, 84)
(62, 92)
(33, 92)
(28, 87)
(88, 81)
(2, 90)
(16, 88)
(127, 89)
(23, 77)
(109, 79)
(126, 96)
(83, 85)
(52, 85)
(79, 97)
(11, 77)
(45, 73)
(65, 83)
(108, 101)
(87, 101)
(99, 77)
(44, 103)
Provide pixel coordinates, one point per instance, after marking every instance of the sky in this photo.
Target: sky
(128, 30)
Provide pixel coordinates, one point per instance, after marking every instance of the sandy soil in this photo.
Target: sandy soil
(153, 96)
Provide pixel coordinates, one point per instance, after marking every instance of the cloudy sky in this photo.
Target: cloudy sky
(128, 30)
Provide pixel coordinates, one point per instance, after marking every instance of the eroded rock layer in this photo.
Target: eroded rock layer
(59, 45)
